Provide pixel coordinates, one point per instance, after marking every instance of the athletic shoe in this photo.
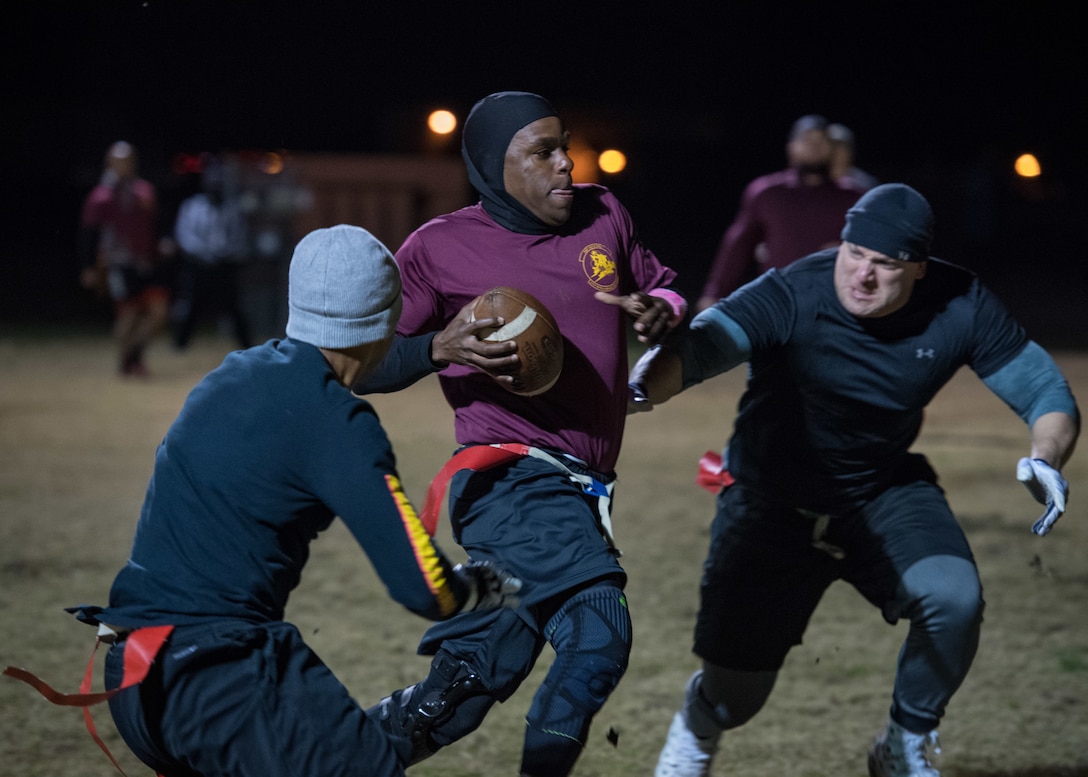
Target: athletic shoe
(684, 754)
(901, 753)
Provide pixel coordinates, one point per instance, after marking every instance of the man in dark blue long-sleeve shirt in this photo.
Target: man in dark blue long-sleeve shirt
(268, 449)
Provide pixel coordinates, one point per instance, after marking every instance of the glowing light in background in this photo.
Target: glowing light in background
(442, 122)
(584, 158)
(187, 164)
(1027, 166)
(612, 161)
(271, 163)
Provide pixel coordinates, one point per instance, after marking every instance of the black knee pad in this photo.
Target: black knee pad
(451, 702)
(591, 634)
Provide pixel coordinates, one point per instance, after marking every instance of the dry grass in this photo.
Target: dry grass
(76, 447)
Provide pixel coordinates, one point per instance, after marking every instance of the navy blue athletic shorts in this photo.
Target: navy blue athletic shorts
(767, 569)
(532, 520)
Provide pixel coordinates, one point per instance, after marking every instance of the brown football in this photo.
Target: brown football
(533, 328)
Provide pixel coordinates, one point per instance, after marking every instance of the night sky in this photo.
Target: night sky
(940, 95)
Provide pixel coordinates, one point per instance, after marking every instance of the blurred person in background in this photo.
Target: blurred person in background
(843, 154)
(212, 239)
(122, 256)
(783, 215)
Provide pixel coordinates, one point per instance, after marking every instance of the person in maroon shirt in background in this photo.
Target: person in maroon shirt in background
(843, 154)
(784, 215)
(120, 254)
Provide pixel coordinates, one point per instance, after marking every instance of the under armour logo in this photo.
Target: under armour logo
(924, 353)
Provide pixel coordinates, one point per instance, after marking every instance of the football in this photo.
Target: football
(533, 328)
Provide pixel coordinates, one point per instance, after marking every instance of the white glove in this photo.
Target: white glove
(1048, 487)
(488, 586)
(637, 401)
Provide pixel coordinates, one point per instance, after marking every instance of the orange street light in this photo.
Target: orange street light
(612, 161)
(442, 122)
(1027, 166)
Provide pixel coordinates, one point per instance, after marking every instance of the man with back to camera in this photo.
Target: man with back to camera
(846, 348)
(544, 513)
(267, 450)
(783, 215)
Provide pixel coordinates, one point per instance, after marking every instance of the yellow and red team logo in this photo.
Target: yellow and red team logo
(599, 267)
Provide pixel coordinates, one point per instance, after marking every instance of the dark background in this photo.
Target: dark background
(699, 95)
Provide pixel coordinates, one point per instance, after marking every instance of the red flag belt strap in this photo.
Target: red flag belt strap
(475, 458)
(713, 476)
(141, 647)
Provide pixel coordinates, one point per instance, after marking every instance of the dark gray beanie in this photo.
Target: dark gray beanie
(343, 289)
(811, 121)
(893, 219)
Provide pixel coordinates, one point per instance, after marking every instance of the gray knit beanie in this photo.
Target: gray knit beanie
(892, 219)
(343, 289)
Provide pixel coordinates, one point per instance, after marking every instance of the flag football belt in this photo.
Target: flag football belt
(140, 648)
(483, 457)
(712, 475)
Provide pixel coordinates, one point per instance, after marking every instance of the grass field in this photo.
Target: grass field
(76, 448)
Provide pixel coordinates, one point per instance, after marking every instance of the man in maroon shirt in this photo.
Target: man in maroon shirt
(784, 215)
(544, 510)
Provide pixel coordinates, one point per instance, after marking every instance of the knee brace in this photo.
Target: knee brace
(451, 702)
(591, 635)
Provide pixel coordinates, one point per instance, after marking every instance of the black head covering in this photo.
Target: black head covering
(893, 219)
(490, 125)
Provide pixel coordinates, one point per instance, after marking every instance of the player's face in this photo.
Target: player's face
(810, 151)
(841, 158)
(537, 170)
(870, 284)
(121, 160)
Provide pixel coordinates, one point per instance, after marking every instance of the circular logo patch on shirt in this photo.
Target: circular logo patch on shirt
(599, 267)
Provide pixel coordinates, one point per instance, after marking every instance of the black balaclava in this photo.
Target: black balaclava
(490, 126)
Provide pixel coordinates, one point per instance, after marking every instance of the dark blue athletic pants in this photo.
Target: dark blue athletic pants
(242, 700)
